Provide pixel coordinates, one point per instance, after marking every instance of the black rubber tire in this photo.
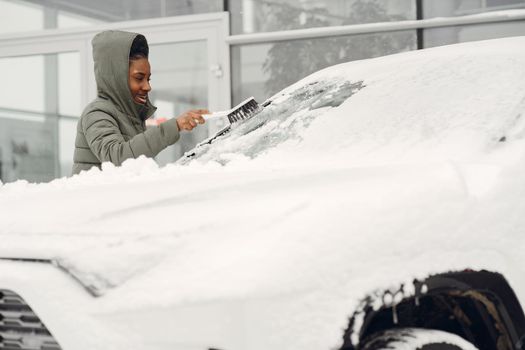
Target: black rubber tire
(415, 339)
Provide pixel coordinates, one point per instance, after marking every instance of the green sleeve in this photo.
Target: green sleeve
(107, 143)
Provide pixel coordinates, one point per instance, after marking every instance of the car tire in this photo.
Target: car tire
(416, 339)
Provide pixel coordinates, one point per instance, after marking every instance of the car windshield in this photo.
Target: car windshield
(286, 115)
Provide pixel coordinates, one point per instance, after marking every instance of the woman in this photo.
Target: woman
(112, 127)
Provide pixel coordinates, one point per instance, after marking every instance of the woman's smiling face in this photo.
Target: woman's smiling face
(138, 79)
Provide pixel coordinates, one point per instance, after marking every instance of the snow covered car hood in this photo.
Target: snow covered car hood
(418, 169)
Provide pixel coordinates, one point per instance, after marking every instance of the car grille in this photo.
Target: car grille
(20, 327)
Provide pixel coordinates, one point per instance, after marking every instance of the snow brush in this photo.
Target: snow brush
(244, 110)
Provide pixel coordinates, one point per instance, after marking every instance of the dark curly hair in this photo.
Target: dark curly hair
(139, 48)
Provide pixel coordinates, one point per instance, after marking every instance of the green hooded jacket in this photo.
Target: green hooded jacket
(112, 127)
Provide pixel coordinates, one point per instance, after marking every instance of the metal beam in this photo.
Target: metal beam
(371, 28)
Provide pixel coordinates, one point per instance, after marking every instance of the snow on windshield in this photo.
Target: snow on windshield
(284, 119)
(431, 105)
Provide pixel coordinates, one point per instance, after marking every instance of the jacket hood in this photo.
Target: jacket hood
(111, 56)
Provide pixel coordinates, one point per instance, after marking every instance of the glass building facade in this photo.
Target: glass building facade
(48, 87)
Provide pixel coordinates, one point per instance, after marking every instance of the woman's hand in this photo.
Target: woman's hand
(189, 119)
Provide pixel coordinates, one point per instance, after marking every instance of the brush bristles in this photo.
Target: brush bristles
(244, 111)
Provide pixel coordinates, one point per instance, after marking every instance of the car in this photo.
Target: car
(374, 204)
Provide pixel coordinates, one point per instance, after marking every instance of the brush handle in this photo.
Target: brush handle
(215, 115)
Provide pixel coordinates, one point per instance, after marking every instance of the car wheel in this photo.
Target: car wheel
(416, 339)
